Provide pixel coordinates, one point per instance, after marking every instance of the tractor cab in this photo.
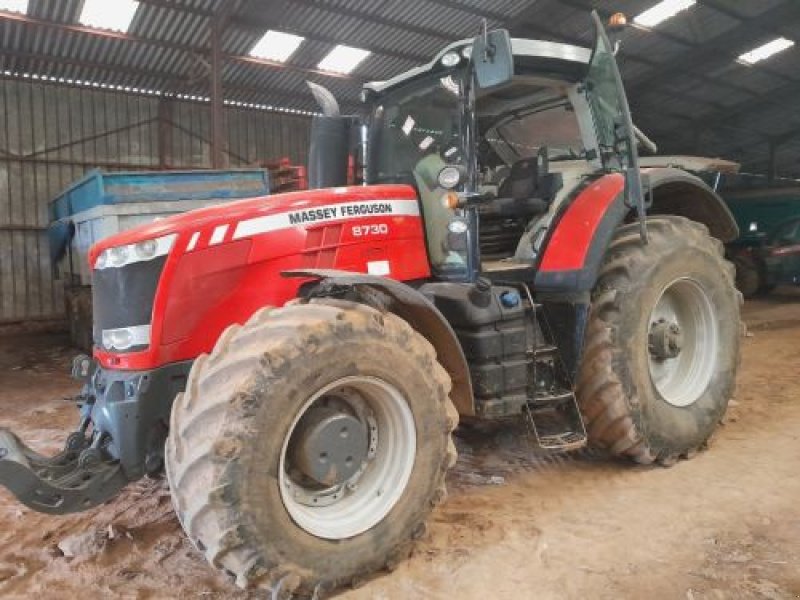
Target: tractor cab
(494, 142)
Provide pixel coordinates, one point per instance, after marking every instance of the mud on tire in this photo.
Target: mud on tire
(227, 432)
(623, 409)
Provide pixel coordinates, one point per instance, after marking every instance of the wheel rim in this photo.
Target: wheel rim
(357, 498)
(682, 343)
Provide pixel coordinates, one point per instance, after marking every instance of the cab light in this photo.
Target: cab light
(450, 59)
(451, 200)
(449, 177)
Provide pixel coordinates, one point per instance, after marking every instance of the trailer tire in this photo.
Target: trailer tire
(648, 391)
(749, 276)
(232, 438)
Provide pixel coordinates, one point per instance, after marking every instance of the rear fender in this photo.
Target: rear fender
(580, 235)
(578, 240)
(676, 192)
(410, 305)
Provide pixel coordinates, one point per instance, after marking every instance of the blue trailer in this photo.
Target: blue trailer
(102, 204)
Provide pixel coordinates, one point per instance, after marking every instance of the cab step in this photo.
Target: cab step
(556, 422)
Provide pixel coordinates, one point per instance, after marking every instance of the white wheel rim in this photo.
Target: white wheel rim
(349, 512)
(683, 379)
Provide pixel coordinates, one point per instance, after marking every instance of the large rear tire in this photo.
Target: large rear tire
(662, 343)
(310, 446)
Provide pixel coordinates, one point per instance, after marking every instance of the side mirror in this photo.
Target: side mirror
(493, 59)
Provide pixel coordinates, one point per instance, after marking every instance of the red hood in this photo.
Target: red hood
(247, 209)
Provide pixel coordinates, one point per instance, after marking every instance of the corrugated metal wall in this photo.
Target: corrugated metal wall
(51, 135)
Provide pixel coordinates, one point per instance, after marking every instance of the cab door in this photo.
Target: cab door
(611, 115)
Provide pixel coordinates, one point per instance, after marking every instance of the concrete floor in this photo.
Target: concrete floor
(723, 525)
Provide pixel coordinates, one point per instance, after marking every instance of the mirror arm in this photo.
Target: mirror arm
(645, 141)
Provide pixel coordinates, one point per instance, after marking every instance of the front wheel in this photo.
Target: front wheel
(311, 445)
(662, 343)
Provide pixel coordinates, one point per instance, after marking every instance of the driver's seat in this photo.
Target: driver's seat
(521, 181)
(526, 193)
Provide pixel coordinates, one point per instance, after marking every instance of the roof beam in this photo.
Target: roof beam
(720, 50)
(375, 19)
(259, 23)
(173, 81)
(705, 77)
(525, 26)
(785, 96)
(27, 21)
(483, 12)
(168, 82)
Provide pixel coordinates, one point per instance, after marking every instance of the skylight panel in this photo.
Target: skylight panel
(666, 9)
(115, 15)
(277, 46)
(343, 59)
(764, 51)
(20, 6)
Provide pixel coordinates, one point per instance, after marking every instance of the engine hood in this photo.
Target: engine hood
(233, 213)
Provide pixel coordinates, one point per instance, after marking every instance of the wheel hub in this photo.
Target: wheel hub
(330, 445)
(337, 498)
(683, 342)
(665, 340)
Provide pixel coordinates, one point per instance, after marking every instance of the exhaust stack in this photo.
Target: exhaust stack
(330, 142)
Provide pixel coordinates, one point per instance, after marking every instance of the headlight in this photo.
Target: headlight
(449, 177)
(132, 253)
(126, 337)
(118, 256)
(146, 250)
(451, 59)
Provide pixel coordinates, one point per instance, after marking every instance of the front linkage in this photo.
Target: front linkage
(119, 439)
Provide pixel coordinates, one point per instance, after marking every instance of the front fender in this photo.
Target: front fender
(411, 306)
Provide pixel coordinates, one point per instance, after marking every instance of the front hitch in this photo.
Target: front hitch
(74, 480)
(119, 439)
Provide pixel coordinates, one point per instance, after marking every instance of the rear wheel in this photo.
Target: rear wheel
(311, 445)
(662, 344)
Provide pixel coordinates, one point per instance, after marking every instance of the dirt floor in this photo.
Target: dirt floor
(517, 525)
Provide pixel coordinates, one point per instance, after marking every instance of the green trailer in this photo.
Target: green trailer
(767, 252)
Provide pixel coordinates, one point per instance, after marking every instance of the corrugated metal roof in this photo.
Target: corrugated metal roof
(681, 75)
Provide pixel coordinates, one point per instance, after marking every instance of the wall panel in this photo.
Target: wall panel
(51, 135)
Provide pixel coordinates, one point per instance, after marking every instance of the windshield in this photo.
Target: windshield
(554, 128)
(413, 123)
(416, 131)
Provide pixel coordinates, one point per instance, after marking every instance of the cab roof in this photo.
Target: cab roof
(534, 56)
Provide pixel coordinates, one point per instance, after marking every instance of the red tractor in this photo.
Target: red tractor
(298, 362)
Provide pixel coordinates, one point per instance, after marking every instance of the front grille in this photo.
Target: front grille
(123, 297)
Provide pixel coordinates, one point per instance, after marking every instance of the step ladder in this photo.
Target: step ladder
(552, 414)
